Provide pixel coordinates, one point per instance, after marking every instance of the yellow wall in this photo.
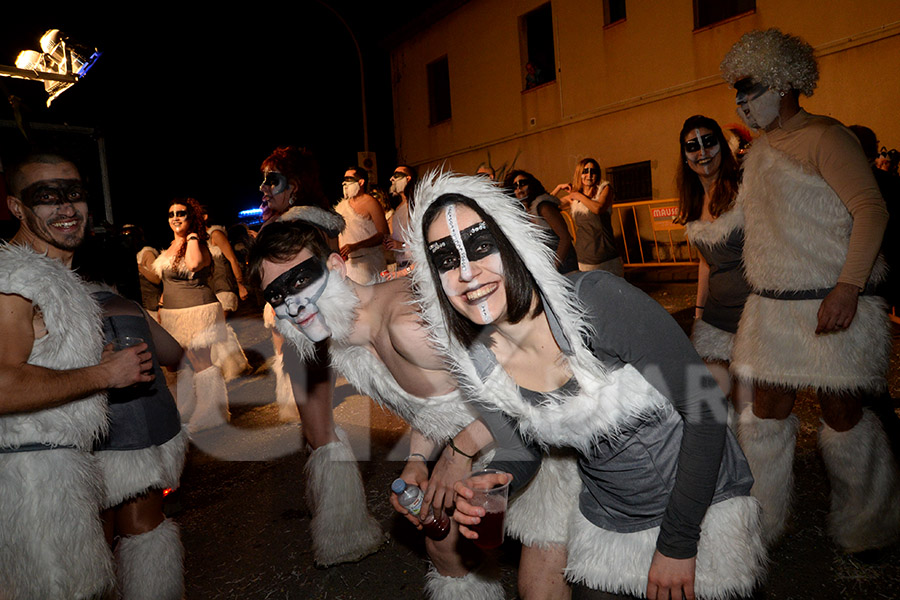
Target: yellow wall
(623, 91)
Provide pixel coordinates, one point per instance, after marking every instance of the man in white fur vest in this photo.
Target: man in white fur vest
(378, 342)
(813, 224)
(53, 372)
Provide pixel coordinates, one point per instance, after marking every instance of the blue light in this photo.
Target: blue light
(250, 212)
(90, 63)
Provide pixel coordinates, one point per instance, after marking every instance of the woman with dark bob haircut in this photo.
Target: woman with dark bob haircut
(708, 183)
(589, 363)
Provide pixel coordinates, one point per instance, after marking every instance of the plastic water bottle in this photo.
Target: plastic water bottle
(411, 498)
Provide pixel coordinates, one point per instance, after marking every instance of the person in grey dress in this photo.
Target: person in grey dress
(707, 184)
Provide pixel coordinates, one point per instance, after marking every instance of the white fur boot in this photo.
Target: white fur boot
(211, 409)
(149, 566)
(229, 356)
(342, 528)
(865, 487)
(284, 393)
(185, 399)
(769, 447)
(470, 587)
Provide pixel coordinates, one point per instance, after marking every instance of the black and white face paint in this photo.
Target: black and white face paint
(294, 294)
(398, 183)
(351, 187)
(275, 181)
(457, 252)
(758, 106)
(701, 149)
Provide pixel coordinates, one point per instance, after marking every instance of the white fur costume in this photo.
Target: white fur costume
(797, 238)
(51, 541)
(797, 233)
(604, 401)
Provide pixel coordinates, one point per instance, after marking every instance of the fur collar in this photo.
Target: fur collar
(327, 220)
(712, 233)
(604, 401)
(166, 262)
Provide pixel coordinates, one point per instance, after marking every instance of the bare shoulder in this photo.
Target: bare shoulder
(17, 322)
(406, 329)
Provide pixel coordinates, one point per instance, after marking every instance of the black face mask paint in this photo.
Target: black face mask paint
(296, 280)
(477, 241)
(53, 192)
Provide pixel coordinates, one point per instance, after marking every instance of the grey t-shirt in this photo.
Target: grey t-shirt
(664, 469)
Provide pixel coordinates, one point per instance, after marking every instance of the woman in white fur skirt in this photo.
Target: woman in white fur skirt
(664, 507)
(194, 317)
(708, 182)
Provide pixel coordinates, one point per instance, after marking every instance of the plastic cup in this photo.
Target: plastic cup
(491, 493)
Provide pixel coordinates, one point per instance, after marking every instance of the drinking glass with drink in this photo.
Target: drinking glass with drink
(490, 489)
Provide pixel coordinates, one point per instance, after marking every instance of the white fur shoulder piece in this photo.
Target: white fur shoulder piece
(145, 251)
(711, 233)
(166, 262)
(604, 399)
(327, 220)
(74, 340)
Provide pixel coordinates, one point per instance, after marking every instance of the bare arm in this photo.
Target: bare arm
(453, 466)
(372, 209)
(219, 240)
(25, 387)
(196, 256)
(555, 220)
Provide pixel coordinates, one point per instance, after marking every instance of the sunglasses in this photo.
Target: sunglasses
(520, 183)
(589, 171)
(179, 214)
(709, 141)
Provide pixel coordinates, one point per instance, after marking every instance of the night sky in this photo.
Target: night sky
(191, 100)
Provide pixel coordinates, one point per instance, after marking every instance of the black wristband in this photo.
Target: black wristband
(458, 451)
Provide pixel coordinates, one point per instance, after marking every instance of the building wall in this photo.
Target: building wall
(623, 91)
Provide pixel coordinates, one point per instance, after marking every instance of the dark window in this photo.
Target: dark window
(709, 12)
(613, 11)
(439, 90)
(631, 182)
(536, 31)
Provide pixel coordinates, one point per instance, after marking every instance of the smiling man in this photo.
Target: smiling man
(52, 406)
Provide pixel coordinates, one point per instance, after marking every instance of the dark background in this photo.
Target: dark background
(190, 100)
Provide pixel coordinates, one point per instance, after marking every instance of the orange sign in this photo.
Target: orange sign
(663, 218)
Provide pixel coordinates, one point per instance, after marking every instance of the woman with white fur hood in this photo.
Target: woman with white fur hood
(664, 505)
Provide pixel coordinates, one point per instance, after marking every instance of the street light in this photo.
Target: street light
(60, 64)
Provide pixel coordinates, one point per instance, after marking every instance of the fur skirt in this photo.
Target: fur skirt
(776, 343)
(731, 557)
(196, 327)
(129, 473)
(539, 516)
(710, 342)
(51, 540)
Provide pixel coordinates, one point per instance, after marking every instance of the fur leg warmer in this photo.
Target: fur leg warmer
(185, 399)
(865, 487)
(470, 587)
(229, 356)
(284, 393)
(769, 447)
(150, 564)
(211, 408)
(342, 528)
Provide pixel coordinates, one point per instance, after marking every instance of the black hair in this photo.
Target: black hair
(535, 187)
(521, 288)
(280, 242)
(690, 189)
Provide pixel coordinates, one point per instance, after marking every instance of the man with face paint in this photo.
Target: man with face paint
(403, 182)
(378, 342)
(366, 229)
(813, 224)
(52, 405)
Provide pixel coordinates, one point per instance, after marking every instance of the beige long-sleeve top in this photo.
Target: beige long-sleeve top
(831, 150)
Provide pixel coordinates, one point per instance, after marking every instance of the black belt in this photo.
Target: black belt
(36, 447)
(814, 294)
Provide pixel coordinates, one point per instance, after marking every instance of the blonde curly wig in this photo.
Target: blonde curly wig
(779, 61)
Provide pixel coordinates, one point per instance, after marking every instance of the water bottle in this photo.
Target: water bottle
(410, 498)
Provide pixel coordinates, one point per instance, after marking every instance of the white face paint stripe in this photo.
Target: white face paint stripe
(703, 152)
(464, 269)
(485, 313)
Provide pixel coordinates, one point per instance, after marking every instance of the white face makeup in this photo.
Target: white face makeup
(701, 150)
(398, 182)
(294, 294)
(54, 204)
(469, 264)
(758, 106)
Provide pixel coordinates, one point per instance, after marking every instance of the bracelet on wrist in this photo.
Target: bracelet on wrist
(422, 456)
(458, 451)
(699, 307)
(193, 237)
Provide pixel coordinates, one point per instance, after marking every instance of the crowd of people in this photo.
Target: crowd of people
(642, 463)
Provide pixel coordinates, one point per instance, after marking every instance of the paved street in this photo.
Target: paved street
(245, 521)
